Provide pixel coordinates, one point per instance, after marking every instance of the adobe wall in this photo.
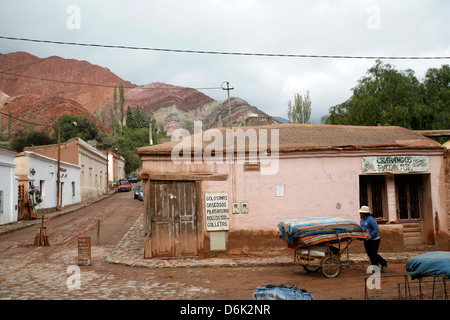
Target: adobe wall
(447, 180)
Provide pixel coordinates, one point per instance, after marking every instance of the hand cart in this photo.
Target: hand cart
(324, 256)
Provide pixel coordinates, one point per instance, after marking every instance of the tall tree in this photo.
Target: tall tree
(113, 111)
(9, 122)
(437, 96)
(391, 97)
(130, 119)
(121, 101)
(300, 111)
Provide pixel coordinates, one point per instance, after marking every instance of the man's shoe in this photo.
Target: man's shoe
(383, 268)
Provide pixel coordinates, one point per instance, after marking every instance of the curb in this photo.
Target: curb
(22, 224)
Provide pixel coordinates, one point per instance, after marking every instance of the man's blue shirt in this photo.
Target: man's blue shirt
(371, 225)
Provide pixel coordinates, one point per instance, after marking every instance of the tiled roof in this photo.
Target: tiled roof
(303, 137)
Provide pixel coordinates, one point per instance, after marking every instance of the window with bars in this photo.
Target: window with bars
(372, 191)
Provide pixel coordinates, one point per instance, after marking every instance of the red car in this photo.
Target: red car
(123, 185)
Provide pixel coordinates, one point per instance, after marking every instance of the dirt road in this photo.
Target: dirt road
(29, 272)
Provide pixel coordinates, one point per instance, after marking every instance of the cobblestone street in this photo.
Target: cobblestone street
(119, 272)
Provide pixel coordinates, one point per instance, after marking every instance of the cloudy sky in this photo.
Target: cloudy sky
(316, 27)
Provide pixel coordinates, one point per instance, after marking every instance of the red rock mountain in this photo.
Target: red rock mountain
(42, 88)
(39, 112)
(23, 73)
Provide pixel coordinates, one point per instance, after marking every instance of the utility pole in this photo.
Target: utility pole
(229, 106)
(150, 133)
(58, 171)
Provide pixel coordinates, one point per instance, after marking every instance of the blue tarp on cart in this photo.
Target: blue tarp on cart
(436, 263)
(281, 292)
(311, 231)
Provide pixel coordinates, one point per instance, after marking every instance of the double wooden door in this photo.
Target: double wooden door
(173, 206)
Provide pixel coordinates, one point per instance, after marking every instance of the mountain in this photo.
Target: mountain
(39, 112)
(23, 73)
(281, 119)
(47, 87)
(174, 106)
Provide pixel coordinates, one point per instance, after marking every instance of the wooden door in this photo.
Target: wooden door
(174, 218)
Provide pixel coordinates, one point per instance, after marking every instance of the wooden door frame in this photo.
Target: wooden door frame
(147, 216)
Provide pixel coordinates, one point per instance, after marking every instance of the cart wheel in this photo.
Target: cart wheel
(311, 269)
(331, 266)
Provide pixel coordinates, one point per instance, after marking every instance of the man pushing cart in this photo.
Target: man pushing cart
(319, 243)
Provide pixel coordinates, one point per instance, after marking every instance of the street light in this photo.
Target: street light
(58, 174)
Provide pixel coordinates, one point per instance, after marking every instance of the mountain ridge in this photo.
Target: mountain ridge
(86, 86)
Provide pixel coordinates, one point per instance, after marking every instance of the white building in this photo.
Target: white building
(38, 171)
(8, 187)
(116, 167)
(92, 162)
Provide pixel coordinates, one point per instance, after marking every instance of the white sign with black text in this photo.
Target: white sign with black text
(217, 211)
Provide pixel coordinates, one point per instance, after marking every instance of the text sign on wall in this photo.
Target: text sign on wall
(84, 251)
(217, 213)
(395, 164)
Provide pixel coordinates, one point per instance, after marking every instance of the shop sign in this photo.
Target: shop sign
(252, 166)
(217, 212)
(395, 164)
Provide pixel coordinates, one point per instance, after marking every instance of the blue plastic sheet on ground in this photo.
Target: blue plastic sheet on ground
(436, 263)
(281, 292)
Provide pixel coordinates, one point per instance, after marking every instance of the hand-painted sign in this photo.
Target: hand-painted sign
(84, 251)
(394, 164)
(217, 212)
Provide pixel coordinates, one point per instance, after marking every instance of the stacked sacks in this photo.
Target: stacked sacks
(313, 231)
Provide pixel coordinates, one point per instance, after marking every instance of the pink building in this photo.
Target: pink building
(224, 191)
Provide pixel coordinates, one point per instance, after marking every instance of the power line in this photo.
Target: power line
(32, 123)
(229, 53)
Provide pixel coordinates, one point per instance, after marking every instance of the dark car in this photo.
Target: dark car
(132, 178)
(141, 194)
(123, 185)
(137, 190)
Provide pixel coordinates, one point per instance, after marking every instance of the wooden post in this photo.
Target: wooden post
(41, 238)
(98, 231)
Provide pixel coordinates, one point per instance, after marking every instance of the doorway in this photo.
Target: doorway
(410, 206)
(173, 214)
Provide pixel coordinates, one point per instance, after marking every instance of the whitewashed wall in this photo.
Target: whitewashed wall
(8, 187)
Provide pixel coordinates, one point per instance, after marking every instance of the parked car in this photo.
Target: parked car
(137, 190)
(123, 185)
(133, 178)
(141, 194)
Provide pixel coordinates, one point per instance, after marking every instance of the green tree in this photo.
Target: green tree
(121, 102)
(113, 111)
(384, 95)
(130, 118)
(436, 86)
(85, 127)
(9, 122)
(28, 138)
(101, 115)
(300, 111)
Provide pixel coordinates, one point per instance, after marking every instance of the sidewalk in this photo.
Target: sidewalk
(21, 224)
(130, 251)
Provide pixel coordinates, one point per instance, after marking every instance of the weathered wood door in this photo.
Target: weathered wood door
(174, 218)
